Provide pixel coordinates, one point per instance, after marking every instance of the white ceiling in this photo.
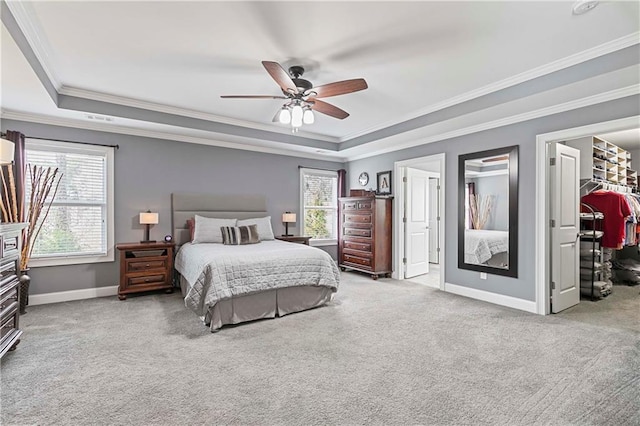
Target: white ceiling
(179, 57)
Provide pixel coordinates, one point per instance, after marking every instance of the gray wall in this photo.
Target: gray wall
(522, 134)
(147, 171)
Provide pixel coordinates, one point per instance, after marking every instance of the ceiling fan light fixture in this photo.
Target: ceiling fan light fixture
(308, 117)
(285, 116)
(296, 116)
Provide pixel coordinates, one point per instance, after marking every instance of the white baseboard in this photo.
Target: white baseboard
(486, 296)
(67, 296)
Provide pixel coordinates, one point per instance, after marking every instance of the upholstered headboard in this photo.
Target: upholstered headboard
(186, 205)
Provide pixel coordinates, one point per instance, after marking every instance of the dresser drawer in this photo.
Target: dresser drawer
(361, 218)
(7, 312)
(9, 293)
(357, 253)
(9, 246)
(356, 260)
(357, 205)
(357, 246)
(354, 232)
(144, 265)
(147, 280)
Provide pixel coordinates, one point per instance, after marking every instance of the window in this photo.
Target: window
(319, 205)
(79, 227)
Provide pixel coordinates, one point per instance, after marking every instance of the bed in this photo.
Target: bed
(486, 247)
(227, 284)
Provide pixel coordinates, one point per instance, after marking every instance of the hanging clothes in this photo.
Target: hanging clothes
(616, 209)
(633, 221)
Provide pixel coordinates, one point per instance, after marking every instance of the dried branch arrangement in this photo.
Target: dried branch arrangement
(8, 202)
(480, 209)
(44, 187)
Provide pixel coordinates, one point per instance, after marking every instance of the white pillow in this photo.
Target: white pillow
(264, 226)
(208, 229)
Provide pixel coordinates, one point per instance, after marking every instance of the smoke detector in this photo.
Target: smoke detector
(583, 6)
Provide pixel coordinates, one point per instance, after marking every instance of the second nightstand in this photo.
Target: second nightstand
(145, 267)
(294, 239)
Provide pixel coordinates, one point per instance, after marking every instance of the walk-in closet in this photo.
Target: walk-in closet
(609, 231)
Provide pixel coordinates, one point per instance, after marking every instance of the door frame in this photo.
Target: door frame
(542, 230)
(398, 207)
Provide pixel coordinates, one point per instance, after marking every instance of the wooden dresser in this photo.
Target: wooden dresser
(145, 267)
(10, 245)
(365, 235)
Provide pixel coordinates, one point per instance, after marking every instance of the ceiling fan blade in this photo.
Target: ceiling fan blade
(252, 97)
(281, 77)
(328, 109)
(339, 88)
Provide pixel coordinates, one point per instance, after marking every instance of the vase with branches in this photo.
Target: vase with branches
(44, 187)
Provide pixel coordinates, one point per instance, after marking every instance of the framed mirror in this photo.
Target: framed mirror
(488, 211)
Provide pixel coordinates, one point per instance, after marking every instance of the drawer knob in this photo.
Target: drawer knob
(146, 280)
(148, 265)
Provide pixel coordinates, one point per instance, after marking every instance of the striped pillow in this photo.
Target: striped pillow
(239, 235)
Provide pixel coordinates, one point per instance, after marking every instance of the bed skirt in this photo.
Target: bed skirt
(266, 304)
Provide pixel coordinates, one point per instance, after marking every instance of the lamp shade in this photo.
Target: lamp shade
(148, 218)
(288, 217)
(6, 151)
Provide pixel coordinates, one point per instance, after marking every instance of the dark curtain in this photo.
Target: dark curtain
(342, 183)
(19, 169)
(471, 186)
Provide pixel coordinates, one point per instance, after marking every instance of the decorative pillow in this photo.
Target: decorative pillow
(239, 235)
(264, 226)
(191, 224)
(207, 229)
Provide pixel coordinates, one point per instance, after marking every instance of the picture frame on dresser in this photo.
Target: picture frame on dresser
(383, 181)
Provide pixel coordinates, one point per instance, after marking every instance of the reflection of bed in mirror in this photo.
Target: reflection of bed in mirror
(486, 247)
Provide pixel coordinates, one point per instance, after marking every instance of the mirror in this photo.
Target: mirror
(488, 211)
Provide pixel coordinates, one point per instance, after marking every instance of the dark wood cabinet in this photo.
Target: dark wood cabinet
(145, 267)
(10, 246)
(365, 235)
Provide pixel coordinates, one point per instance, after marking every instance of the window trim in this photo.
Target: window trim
(109, 154)
(318, 172)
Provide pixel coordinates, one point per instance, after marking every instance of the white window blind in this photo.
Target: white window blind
(319, 204)
(79, 224)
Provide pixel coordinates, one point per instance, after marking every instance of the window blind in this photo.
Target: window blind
(76, 223)
(320, 203)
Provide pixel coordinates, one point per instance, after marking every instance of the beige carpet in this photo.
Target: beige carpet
(385, 352)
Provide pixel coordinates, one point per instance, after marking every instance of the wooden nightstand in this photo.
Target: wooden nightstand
(294, 239)
(145, 267)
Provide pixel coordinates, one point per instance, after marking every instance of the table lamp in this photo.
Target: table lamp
(147, 219)
(287, 218)
(7, 149)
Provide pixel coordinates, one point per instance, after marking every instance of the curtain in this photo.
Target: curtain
(342, 183)
(471, 192)
(19, 170)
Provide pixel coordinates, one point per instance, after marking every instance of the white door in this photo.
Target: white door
(417, 223)
(565, 226)
(434, 218)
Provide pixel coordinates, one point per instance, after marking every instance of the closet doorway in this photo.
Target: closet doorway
(558, 221)
(419, 223)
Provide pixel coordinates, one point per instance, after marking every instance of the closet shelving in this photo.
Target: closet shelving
(602, 161)
(592, 234)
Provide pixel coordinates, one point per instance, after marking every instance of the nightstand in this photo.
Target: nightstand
(145, 267)
(294, 239)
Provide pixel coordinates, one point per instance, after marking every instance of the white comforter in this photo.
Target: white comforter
(480, 245)
(217, 272)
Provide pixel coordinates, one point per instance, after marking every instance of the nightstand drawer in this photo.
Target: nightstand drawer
(357, 246)
(144, 265)
(147, 280)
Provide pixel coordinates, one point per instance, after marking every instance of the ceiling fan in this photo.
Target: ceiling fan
(302, 96)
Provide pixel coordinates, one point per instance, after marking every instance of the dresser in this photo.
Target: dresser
(365, 235)
(145, 267)
(10, 245)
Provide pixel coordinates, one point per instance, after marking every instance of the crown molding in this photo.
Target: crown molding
(26, 19)
(152, 106)
(245, 144)
(393, 143)
(566, 62)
